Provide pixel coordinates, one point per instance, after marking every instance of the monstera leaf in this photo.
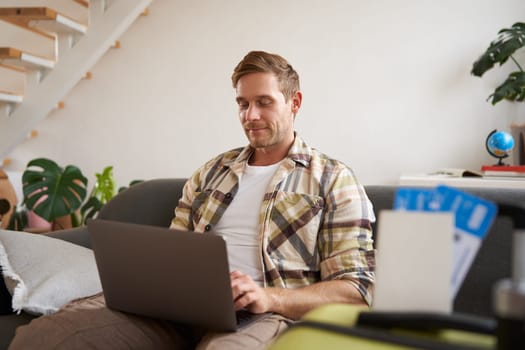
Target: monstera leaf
(513, 89)
(499, 51)
(508, 42)
(51, 191)
(90, 209)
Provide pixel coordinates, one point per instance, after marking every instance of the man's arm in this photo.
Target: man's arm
(292, 303)
(182, 219)
(345, 239)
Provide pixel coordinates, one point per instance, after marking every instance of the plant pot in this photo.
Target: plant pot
(62, 223)
(37, 224)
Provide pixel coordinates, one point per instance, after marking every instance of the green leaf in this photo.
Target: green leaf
(105, 187)
(51, 191)
(508, 41)
(18, 219)
(513, 89)
(90, 209)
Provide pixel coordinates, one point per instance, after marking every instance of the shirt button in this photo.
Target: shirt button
(207, 228)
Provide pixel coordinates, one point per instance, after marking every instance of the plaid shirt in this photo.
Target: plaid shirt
(314, 219)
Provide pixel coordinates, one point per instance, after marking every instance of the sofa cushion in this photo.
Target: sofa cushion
(42, 273)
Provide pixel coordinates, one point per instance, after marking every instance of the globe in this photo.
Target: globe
(499, 145)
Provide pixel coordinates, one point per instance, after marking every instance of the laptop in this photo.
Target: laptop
(167, 274)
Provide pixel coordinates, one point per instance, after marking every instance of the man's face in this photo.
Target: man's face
(266, 117)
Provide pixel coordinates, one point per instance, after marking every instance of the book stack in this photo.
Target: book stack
(503, 170)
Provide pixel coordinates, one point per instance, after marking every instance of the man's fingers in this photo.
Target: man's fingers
(236, 273)
(240, 286)
(244, 300)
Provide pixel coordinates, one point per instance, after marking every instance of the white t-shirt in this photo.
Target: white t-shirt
(240, 223)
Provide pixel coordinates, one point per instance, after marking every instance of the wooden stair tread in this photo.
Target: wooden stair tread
(16, 56)
(29, 13)
(42, 15)
(13, 67)
(8, 96)
(84, 3)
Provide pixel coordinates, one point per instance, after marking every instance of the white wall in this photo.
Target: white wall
(386, 86)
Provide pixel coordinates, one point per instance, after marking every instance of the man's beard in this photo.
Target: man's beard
(259, 141)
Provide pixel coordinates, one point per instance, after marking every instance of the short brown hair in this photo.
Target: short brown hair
(264, 62)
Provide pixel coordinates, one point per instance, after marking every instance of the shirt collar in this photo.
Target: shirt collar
(299, 152)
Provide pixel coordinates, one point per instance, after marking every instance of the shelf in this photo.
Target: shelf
(14, 56)
(423, 180)
(42, 17)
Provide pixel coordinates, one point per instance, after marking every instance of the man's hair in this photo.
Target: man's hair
(264, 62)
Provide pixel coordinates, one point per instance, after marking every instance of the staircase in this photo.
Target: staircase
(46, 47)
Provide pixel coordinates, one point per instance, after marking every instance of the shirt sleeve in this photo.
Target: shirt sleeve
(182, 219)
(345, 239)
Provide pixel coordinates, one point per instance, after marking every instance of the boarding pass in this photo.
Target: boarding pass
(473, 217)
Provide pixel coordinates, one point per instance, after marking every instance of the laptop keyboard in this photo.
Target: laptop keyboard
(245, 317)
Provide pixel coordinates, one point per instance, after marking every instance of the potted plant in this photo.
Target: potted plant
(102, 192)
(53, 192)
(501, 50)
(59, 195)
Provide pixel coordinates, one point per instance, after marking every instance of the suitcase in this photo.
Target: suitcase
(346, 326)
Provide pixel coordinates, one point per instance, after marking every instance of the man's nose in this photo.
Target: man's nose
(252, 113)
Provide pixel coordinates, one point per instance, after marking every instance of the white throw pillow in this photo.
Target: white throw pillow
(43, 273)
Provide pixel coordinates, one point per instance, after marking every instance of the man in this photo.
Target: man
(297, 223)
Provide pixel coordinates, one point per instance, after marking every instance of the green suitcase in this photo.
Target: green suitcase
(344, 326)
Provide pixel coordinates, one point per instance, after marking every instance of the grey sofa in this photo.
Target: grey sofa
(152, 203)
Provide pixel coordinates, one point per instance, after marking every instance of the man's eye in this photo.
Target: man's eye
(264, 102)
(243, 105)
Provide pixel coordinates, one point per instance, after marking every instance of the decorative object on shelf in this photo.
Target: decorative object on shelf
(457, 172)
(508, 42)
(504, 171)
(499, 144)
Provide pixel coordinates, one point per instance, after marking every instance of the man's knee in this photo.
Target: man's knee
(256, 336)
(89, 324)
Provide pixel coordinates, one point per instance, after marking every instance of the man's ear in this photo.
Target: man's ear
(297, 99)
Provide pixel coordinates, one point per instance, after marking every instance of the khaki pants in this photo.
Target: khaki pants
(88, 324)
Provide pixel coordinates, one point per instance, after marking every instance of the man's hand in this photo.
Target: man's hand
(292, 303)
(247, 294)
